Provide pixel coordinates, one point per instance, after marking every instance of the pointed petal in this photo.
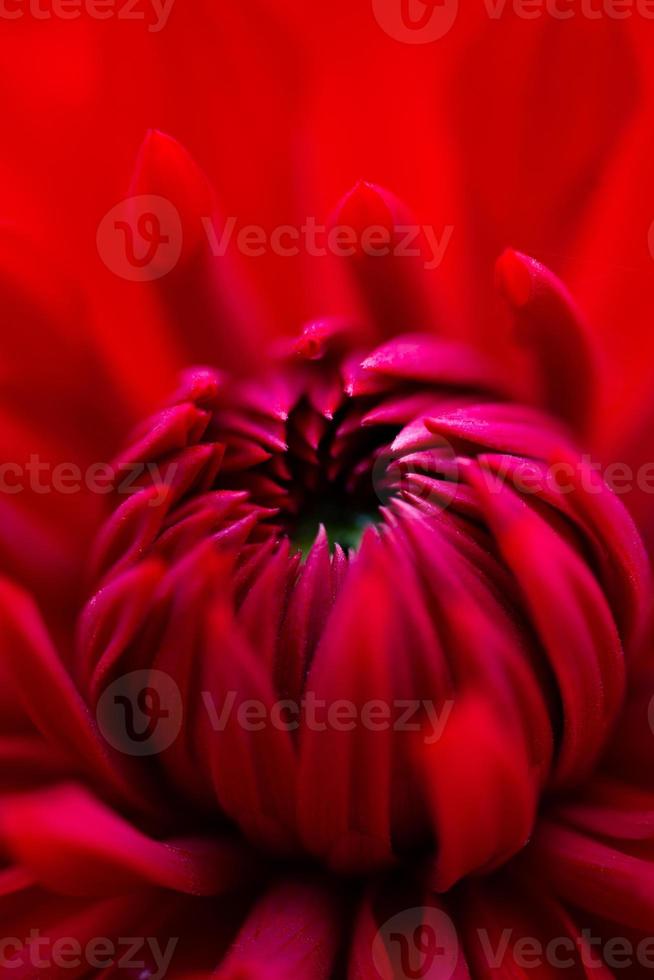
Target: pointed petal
(552, 327)
(208, 308)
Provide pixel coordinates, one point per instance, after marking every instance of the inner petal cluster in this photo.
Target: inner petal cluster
(467, 611)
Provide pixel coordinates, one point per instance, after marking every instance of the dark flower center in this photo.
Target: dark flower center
(316, 470)
(332, 478)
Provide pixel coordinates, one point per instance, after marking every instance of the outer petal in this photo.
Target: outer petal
(75, 846)
(53, 425)
(292, 932)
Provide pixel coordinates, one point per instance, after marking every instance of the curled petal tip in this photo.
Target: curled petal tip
(513, 277)
(320, 337)
(364, 206)
(165, 168)
(321, 539)
(311, 343)
(162, 157)
(391, 278)
(204, 295)
(551, 326)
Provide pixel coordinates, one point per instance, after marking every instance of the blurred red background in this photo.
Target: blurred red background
(534, 133)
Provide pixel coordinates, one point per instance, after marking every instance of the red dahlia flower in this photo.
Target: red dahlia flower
(358, 686)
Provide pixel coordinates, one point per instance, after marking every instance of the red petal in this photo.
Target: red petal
(293, 931)
(551, 326)
(75, 845)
